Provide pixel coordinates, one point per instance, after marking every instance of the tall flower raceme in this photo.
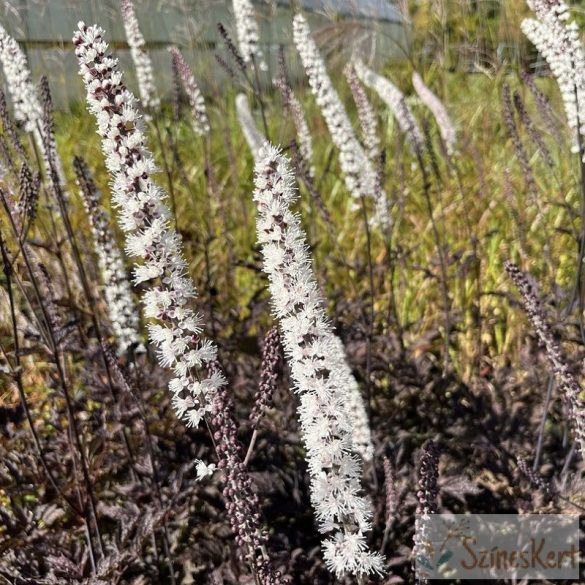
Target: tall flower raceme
(367, 116)
(427, 496)
(27, 106)
(253, 136)
(360, 432)
(242, 504)
(142, 62)
(314, 356)
(433, 103)
(48, 146)
(248, 32)
(200, 119)
(360, 174)
(558, 41)
(122, 311)
(543, 106)
(143, 215)
(572, 392)
(396, 101)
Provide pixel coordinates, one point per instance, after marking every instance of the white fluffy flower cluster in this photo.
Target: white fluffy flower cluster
(360, 174)
(368, 119)
(248, 32)
(143, 215)
(203, 469)
(396, 101)
(198, 110)
(117, 290)
(253, 136)
(320, 373)
(27, 107)
(360, 432)
(433, 103)
(144, 75)
(558, 41)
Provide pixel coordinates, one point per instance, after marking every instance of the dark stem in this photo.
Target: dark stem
(538, 451)
(167, 168)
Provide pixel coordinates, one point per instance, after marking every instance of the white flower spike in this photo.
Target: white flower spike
(396, 102)
(360, 174)
(27, 107)
(558, 41)
(253, 136)
(143, 215)
(200, 119)
(248, 32)
(332, 433)
(433, 103)
(142, 62)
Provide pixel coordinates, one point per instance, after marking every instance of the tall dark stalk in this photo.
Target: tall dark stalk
(444, 279)
(17, 376)
(59, 362)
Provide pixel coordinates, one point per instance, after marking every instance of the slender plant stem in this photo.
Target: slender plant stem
(17, 375)
(167, 169)
(54, 346)
(258, 94)
(250, 447)
(547, 400)
(442, 263)
(370, 318)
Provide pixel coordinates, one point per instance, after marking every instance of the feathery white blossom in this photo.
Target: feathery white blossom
(121, 309)
(142, 62)
(367, 116)
(143, 215)
(433, 103)
(396, 102)
(356, 406)
(200, 120)
(319, 371)
(203, 469)
(25, 97)
(558, 41)
(360, 174)
(248, 32)
(27, 107)
(253, 136)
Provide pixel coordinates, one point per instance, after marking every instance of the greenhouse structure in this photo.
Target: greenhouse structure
(44, 28)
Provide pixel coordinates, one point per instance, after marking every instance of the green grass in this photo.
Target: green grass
(481, 224)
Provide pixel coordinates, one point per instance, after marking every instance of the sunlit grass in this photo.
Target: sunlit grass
(481, 224)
